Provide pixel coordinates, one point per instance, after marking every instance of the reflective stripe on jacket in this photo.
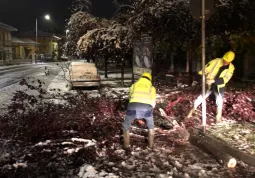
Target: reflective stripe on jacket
(143, 92)
(212, 69)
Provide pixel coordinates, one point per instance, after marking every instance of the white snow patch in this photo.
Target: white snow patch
(82, 140)
(59, 101)
(43, 143)
(89, 171)
(67, 143)
(116, 92)
(116, 75)
(59, 83)
(69, 131)
(23, 165)
(46, 150)
(72, 150)
(89, 144)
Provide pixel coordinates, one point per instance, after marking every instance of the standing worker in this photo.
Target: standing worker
(141, 103)
(217, 73)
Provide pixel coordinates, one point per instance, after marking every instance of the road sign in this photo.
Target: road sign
(195, 7)
(142, 56)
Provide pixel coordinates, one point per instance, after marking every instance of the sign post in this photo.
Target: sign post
(142, 56)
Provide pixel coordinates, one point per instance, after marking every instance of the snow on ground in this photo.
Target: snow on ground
(89, 171)
(6, 93)
(236, 134)
(60, 84)
(117, 75)
(170, 157)
(11, 83)
(14, 66)
(61, 81)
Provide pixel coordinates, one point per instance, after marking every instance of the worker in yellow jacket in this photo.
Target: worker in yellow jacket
(218, 72)
(141, 103)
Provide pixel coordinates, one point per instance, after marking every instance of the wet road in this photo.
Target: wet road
(13, 74)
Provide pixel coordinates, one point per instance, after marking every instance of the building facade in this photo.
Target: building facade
(47, 46)
(23, 48)
(5, 43)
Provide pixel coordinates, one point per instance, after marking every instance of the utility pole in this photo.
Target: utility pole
(203, 65)
(36, 36)
(47, 17)
(202, 11)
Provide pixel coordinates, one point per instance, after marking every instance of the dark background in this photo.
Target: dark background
(21, 14)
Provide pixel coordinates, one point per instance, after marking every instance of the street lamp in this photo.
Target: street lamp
(46, 17)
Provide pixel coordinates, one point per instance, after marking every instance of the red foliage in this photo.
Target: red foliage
(171, 104)
(239, 106)
(107, 107)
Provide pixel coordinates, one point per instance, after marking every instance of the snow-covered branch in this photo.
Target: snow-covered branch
(112, 36)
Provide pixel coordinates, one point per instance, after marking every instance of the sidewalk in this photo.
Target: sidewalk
(14, 66)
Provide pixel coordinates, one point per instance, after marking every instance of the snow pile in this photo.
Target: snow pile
(21, 165)
(238, 135)
(43, 143)
(116, 92)
(87, 171)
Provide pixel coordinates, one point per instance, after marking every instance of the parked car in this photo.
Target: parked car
(83, 74)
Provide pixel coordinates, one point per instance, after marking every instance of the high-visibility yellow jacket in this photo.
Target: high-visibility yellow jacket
(212, 69)
(143, 92)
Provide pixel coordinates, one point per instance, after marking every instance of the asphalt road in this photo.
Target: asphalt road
(10, 76)
(13, 74)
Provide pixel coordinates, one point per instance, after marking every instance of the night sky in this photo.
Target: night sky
(21, 14)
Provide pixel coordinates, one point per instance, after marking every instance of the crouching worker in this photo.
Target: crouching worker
(141, 103)
(218, 72)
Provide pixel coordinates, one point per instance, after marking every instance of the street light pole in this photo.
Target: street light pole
(36, 36)
(47, 17)
(203, 66)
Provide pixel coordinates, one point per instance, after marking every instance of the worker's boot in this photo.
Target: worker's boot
(151, 137)
(219, 116)
(126, 138)
(191, 112)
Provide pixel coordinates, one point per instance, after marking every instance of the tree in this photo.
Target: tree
(168, 22)
(81, 5)
(104, 42)
(78, 25)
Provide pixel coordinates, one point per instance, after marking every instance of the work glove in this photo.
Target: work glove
(210, 82)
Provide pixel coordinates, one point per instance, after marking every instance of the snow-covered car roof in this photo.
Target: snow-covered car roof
(83, 63)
